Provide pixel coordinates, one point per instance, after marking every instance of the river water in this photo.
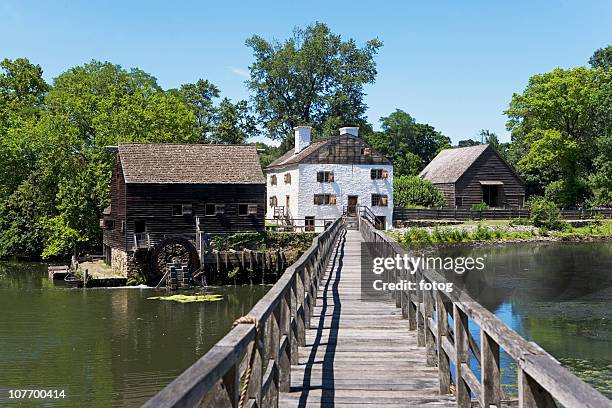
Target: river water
(104, 347)
(558, 294)
(114, 347)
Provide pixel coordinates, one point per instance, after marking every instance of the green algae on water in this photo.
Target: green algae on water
(188, 298)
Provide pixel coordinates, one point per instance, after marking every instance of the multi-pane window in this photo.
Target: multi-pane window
(182, 209)
(287, 178)
(376, 174)
(365, 151)
(273, 201)
(379, 200)
(325, 199)
(209, 210)
(273, 179)
(247, 209)
(325, 176)
(458, 201)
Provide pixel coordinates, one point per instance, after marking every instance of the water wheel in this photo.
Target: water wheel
(171, 250)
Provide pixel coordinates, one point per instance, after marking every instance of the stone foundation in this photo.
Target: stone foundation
(119, 262)
(127, 264)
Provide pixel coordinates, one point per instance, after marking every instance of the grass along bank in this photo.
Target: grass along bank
(500, 231)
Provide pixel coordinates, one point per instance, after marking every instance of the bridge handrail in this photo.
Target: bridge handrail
(541, 378)
(283, 314)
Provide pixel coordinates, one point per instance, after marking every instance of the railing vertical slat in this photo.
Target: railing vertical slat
(531, 394)
(490, 371)
(444, 372)
(461, 350)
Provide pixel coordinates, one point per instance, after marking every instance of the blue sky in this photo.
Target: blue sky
(452, 64)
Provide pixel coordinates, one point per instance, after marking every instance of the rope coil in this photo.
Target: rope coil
(246, 377)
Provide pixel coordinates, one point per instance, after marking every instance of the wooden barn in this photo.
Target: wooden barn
(473, 175)
(174, 193)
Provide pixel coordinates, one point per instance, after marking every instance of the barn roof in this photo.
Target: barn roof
(158, 163)
(450, 164)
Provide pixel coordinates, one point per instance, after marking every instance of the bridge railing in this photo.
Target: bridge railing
(265, 342)
(442, 320)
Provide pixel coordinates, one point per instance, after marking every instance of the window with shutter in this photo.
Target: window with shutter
(379, 200)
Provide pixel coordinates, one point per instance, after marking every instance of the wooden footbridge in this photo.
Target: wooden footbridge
(314, 341)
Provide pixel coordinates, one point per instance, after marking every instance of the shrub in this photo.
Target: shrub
(545, 214)
(410, 191)
(479, 207)
(567, 193)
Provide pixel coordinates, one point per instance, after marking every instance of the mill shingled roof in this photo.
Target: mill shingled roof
(450, 164)
(159, 163)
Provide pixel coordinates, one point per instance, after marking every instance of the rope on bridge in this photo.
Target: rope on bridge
(246, 377)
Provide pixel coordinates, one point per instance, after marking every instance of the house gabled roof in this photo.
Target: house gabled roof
(160, 163)
(450, 164)
(291, 158)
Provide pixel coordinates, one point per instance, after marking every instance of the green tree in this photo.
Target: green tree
(602, 58)
(313, 78)
(467, 143)
(408, 144)
(556, 124)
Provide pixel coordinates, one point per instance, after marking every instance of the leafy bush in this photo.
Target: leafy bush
(411, 191)
(568, 192)
(545, 214)
(479, 207)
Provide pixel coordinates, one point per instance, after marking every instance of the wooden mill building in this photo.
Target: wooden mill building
(161, 192)
(473, 175)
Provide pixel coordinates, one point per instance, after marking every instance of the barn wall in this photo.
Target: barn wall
(489, 166)
(448, 190)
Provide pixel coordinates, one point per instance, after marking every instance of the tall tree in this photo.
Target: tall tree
(555, 125)
(314, 77)
(602, 58)
(408, 144)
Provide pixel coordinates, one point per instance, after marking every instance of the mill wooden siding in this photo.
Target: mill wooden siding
(153, 203)
(115, 238)
(489, 166)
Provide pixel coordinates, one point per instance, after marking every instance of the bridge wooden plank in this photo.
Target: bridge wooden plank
(359, 352)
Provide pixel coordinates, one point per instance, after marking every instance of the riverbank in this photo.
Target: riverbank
(500, 231)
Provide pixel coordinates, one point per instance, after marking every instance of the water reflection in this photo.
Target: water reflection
(556, 294)
(105, 347)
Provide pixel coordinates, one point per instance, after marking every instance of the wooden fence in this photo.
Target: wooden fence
(405, 214)
(272, 331)
(541, 379)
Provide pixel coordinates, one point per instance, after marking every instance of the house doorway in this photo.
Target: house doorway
(351, 208)
(490, 195)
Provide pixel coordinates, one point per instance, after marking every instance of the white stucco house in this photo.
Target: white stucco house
(319, 181)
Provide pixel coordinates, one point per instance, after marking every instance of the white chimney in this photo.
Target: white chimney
(350, 130)
(302, 137)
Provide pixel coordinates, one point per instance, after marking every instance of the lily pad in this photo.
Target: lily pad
(188, 298)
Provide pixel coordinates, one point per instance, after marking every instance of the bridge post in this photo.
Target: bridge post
(531, 394)
(444, 372)
(296, 333)
(420, 321)
(463, 357)
(490, 371)
(430, 341)
(286, 353)
(301, 308)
